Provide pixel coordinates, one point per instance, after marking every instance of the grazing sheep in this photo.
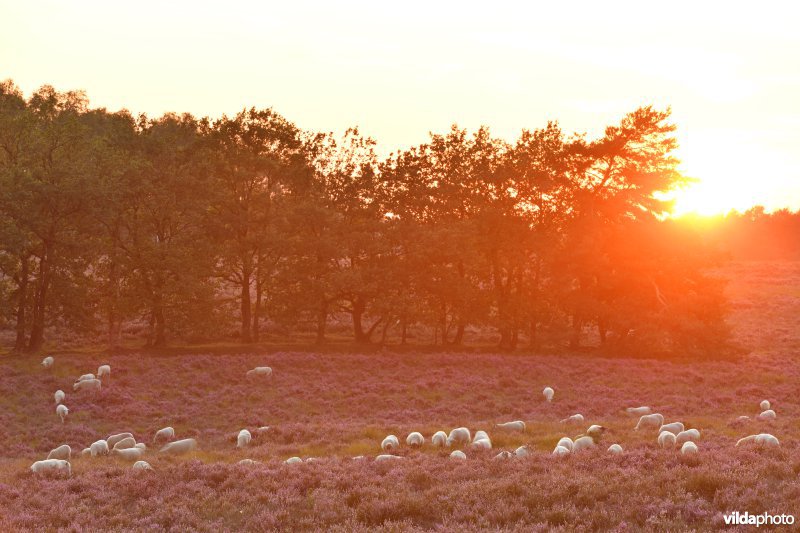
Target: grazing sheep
(86, 451)
(164, 433)
(87, 384)
(85, 377)
(141, 445)
(615, 449)
(576, 418)
(243, 439)
(582, 443)
(742, 419)
(503, 455)
(769, 414)
(560, 450)
(458, 454)
(595, 432)
(390, 443)
(459, 436)
(51, 465)
(689, 447)
(129, 454)
(62, 452)
(439, 439)
(99, 447)
(516, 425)
(114, 439)
(522, 451)
(104, 371)
(655, 420)
(666, 439)
(48, 361)
(764, 405)
(123, 444)
(674, 427)
(387, 457)
(762, 439)
(486, 444)
(247, 462)
(548, 394)
(260, 371)
(262, 429)
(293, 460)
(180, 446)
(415, 439)
(688, 435)
(566, 442)
(359, 458)
(59, 396)
(62, 411)
(142, 465)
(639, 411)
(479, 435)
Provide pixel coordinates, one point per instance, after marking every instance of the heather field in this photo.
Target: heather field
(334, 406)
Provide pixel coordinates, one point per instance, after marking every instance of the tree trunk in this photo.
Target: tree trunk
(114, 321)
(403, 334)
(257, 309)
(39, 304)
(160, 327)
(245, 290)
(575, 340)
(534, 335)
(22, 296)
(359, 306)
(459, 337)
(322, 322)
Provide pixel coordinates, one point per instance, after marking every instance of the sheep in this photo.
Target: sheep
(52, 465)
(86, 451)
(595, 432)
(59, 396)
(129, 454)
(123, 444)
(62, 452)
(243, 439)
(458, 454)
(390, 443)
(639, 411)
(179, 446)
(480, 435)
(576, 418)
(166, 433)
(655, 420)
(141, 445)
(769, 414)
(99, 447)
(415, 439)
(48, 361)
(142, 465)
(262, 429)
(387, 457)
(687, 436)
(762, 439)
(486, 444)
(615, 449)
(293, 460)
(439, 439)
(258, 371)
(522, 451)
(666, 439)
(674, 427)
(85, 377)
(104, 371)
(62, 412)
(548, 394)
(688, 447)
(503, 455)
(516, 425)
(561, 450)
(582, 443)
(459, 436)
(112, 440)
(742, 419)
(566, 442)
(764, 405)
(87, 384)
(247, 462)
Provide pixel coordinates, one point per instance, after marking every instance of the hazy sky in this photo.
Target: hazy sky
(731, 72)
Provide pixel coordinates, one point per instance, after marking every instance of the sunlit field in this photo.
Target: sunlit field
(334, 407)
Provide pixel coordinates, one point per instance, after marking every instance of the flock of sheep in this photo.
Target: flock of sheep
(124, 445)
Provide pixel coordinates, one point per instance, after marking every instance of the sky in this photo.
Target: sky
(729, 71)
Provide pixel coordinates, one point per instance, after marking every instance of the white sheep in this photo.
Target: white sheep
(103, 371)
(439, 439)
(123, 444)
(112, 440)
(262, 429)
(86, 451)
(243, 439)
(62, 412)
(129, 454)
(615, 449)
(742, 419)
(674, 427)
(260, 371)
(486, 444)
(688, 435)
(762, 439)
(561, 450)
(666, 439)
(164, 433)
(639, 411)
(582, 443)
(249, 462)
(516, 425)
(480, 435)
(458, 454)
(595, 432)
(390, 443)
(503, 455)
(293, 460)
(141, 445)
(85, 377)
(52, 465)
(522, 451)
(99, 447)
(765, 405)
(548, 394)
(654, 420)
(576, 418)
(566, 442)
(87, 384)
(142, 465)
(59, 396)
(415, 439)
(62, 452)
(689, 447)
(387, 457)
(179, 446)
(48, 361)
(459, 436)
(769, 414)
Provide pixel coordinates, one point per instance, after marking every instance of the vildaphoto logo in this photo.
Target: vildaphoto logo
(764, 519)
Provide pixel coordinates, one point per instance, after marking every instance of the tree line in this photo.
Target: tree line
(192, 227)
